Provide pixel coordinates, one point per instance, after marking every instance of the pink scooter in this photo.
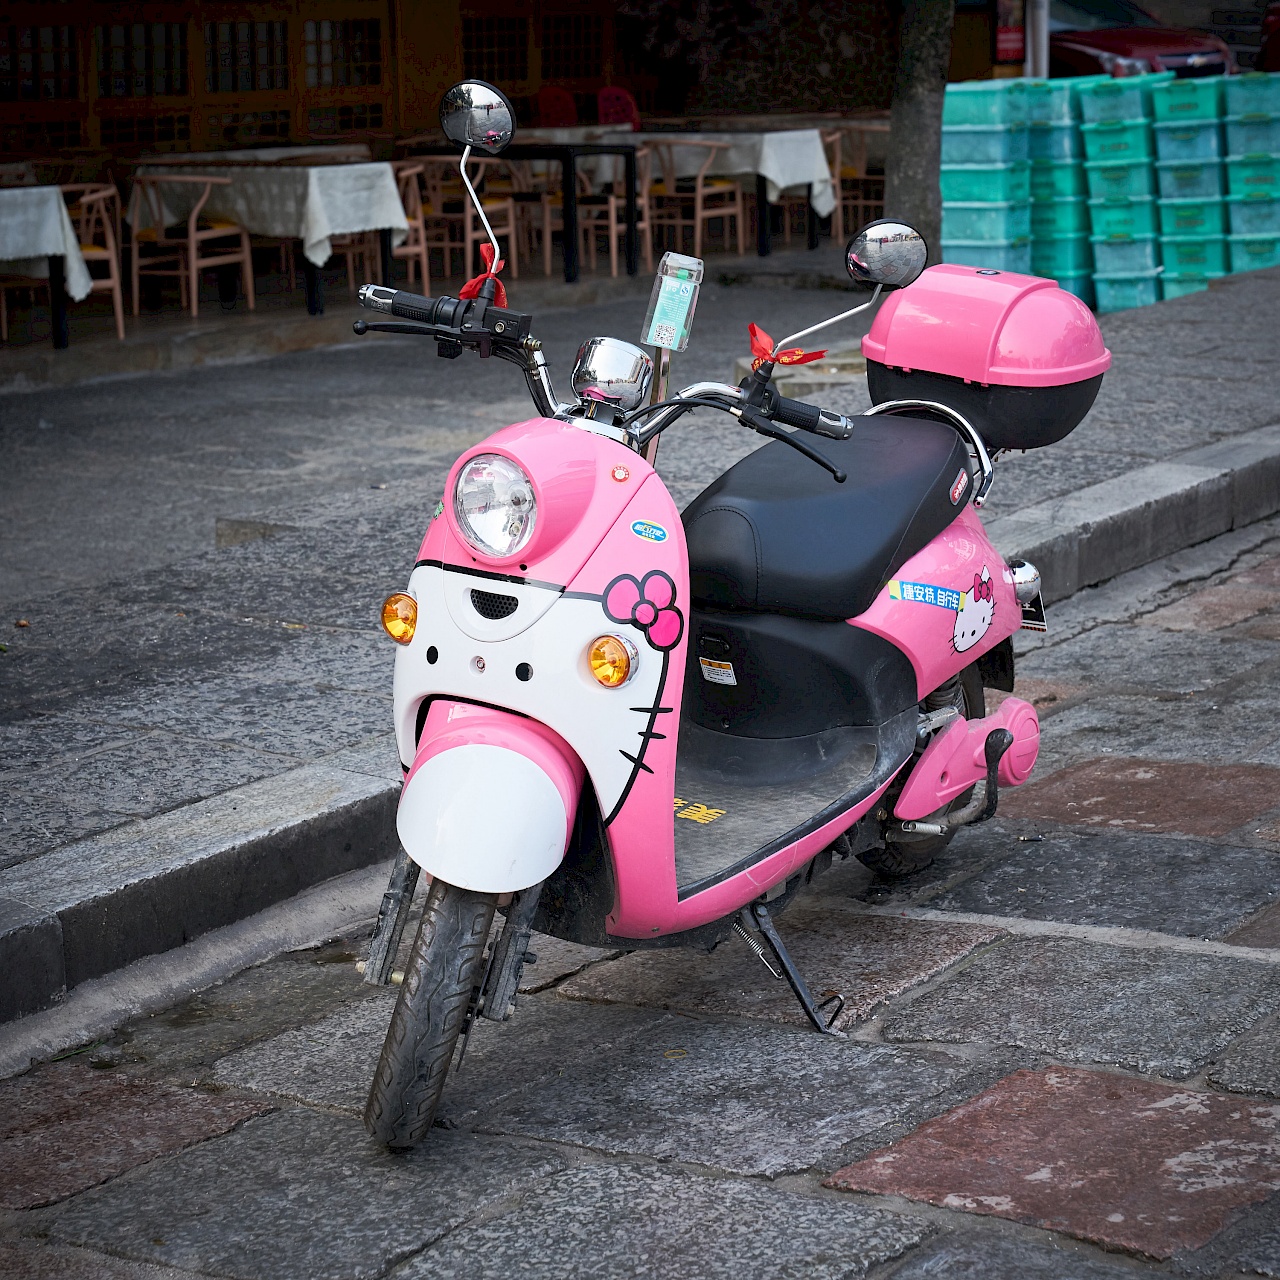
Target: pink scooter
(624, 726)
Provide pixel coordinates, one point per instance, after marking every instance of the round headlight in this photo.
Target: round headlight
(494, 505)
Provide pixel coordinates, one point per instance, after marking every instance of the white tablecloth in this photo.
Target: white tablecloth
(307, 203)
(271, 155)
(788, 159)
(35, 226)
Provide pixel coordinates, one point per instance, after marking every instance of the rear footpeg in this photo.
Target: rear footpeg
(983, 805)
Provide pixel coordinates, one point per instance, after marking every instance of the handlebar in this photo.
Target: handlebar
(412, 306)
(808, 417)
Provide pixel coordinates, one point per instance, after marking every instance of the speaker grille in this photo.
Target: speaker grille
(489, 605)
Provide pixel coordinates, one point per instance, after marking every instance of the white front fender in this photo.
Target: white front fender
(490, 801)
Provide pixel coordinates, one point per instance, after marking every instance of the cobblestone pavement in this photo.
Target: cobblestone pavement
(1063, 1060)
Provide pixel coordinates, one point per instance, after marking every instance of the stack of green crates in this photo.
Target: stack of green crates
(986, 177)
(1251, 106)
(1060, 248)
(1117, 136)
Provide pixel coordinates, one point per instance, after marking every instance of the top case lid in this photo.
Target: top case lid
(988, 327)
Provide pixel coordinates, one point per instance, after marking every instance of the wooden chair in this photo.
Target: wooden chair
(556, 108)
(680, 203)
(363, 257)
(185, 256)
(443, 212)
(861, 194)
(96, 214)
(589, 207)
(617, 106)
(796, 208)
(415, 250)
(502, 216)
(611, 219)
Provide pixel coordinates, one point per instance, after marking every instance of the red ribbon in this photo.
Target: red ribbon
(983, 590)
(472, 288)
(762, 349)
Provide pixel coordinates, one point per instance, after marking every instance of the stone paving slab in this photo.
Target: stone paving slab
(37, 1260)
(866, 959)
(709, 1093)
(1264, 929)
(1250, 1246)
(1165, 1013)
(1129, 1164)
(986, 1256)
(298, 1195)
(647, 1222)
(1187, 887)
(1252, 1063)
(1150, 795)
(66, 1127)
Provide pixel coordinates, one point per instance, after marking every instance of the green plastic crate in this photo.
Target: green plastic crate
(1117, 140)
(986, 220)
(1051, 179)
(1000, 255)
(1253, 135)
(1188, 140)
(1180, 283)
(1188, 99)
(1125, 255)
(1051, 101)
(1253, 175)
(985, 102)
(1120, 291)
(1254, 215)
(1081, 286)
(1054, 142)
(1254, 92)
(1066, 216)
(1121, 180)
(1062, 256)
(1253, 253)
(1123, 217)
(1193, 253)
(983, 143)
(1189, 179)
(1122, 98)
(1192, 218)
(986, 181)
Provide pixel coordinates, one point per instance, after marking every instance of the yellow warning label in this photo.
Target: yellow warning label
(717, 672)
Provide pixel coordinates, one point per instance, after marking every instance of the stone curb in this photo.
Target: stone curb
(96, 905)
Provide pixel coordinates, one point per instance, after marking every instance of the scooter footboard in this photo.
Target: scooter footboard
(490, 800)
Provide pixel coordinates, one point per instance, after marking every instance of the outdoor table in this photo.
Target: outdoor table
(567, 154)
(38, 241)
(306, 202)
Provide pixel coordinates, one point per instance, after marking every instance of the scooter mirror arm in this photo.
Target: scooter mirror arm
(813, 328)
(962, 424)
(476, 203)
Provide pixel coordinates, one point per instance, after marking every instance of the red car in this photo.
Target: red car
(1116, 37)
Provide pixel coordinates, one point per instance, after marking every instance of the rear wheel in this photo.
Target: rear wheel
(903, 857)
(442, 974)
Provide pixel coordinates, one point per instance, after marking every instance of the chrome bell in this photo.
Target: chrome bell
(613, 373)
(1026, 580)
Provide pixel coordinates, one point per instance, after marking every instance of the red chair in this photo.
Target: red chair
(617, 106)
(556, 108)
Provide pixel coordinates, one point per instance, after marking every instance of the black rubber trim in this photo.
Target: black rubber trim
(491, 576)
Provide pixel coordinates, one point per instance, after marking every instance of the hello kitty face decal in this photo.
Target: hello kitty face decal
(974, 609)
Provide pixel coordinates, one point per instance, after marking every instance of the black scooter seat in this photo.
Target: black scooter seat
(777, 534)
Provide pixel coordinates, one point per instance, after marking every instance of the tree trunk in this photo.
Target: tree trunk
(911, 190)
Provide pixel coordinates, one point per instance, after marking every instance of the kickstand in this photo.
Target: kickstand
(814, 1010)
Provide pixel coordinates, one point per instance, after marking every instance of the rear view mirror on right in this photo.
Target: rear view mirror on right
(888, 253)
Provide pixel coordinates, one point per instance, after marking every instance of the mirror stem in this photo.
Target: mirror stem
(813, 328)
(479, 208)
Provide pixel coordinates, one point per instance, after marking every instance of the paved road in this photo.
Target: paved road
(1064, 1059)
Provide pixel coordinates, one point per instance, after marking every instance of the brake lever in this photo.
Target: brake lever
(362, 327)
(759, 423)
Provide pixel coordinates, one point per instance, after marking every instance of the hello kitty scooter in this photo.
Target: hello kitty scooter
(630, 727)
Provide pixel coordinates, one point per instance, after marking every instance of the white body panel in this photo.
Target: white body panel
(483, 818)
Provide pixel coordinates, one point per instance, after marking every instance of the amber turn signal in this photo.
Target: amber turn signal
(610, 659)
(400, 617)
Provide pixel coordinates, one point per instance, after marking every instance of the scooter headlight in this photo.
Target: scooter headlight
(494, 505)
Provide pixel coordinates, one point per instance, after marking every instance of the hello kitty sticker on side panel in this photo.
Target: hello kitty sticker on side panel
(977, 608)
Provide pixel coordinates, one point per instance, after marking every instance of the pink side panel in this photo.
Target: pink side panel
(581, 481)
(457, 724)
(956, 759)
(939, 641)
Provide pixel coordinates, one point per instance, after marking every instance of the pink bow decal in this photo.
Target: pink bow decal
(648, 604)
(983, 590)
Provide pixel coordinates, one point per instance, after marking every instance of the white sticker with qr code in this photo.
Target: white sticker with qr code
(717, 672)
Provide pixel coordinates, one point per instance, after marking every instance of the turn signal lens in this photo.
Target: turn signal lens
(400, 617)
(610, 660)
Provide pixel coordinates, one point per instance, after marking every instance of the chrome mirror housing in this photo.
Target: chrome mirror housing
(611, 372)
(477, 115)
(888, 253)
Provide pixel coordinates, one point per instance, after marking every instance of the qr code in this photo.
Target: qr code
(664, 335)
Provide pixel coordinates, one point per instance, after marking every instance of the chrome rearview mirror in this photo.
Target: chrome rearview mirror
(613, 373)
(886, 252)
(477, 115)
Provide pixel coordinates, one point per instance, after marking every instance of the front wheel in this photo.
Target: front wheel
(442, 974)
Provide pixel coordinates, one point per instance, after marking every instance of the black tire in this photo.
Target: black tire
(443, 972)
(904, 858)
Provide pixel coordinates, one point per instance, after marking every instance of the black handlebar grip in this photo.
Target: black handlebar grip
(412, 306)
(795, 413)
